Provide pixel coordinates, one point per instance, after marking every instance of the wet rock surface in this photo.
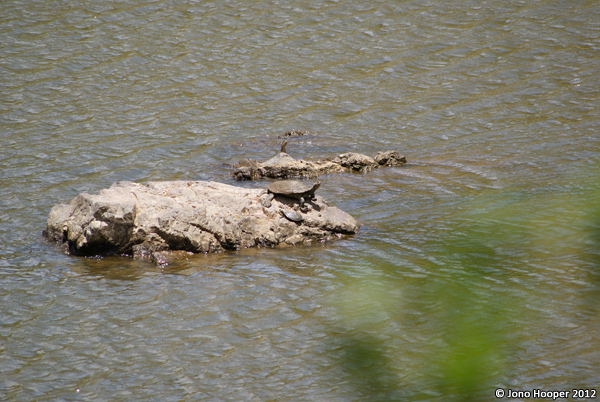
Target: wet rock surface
(152, 221)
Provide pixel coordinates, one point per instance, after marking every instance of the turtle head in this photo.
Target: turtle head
(315, 187)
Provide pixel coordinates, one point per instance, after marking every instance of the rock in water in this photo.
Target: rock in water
(283, 166)
(201, 217)
(390, 158)
(355, 161)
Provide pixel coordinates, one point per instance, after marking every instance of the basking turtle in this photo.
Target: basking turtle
(292, 215)
(292, 189)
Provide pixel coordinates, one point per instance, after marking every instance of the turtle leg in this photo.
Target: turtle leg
(267, 201)
(303, 206)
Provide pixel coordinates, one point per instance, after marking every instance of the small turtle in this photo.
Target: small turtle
(292, 215)
(292, 189)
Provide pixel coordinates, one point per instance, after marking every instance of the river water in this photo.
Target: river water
(477, 266)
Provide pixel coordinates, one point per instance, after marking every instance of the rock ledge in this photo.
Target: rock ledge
(283, 166)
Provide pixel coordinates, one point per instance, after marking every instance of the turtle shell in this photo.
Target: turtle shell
(292, 215)
(290, 188)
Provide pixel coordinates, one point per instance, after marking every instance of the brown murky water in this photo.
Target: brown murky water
(489, 230)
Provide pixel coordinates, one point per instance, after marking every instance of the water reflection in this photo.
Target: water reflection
(299, 260)
(114, 268)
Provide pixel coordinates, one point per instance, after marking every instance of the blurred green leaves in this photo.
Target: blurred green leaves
(454, 334)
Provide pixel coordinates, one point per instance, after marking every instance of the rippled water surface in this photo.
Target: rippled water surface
(477, 266)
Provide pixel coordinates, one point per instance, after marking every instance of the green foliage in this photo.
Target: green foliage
(451, 335)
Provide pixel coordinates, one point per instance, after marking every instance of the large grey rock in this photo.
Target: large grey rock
(201, 217)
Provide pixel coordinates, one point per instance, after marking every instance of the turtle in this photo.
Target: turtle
(292, 215)
(292, 189)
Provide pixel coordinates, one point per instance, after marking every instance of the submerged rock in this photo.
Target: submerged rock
(296, 133)
(145, 221)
